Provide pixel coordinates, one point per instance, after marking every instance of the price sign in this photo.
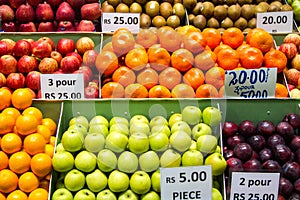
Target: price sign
(62, 86)
(254, 186)
(275, 22)
(252, 83)
(185, 183)
(114, 21)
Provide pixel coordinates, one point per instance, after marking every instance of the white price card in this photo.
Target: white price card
(62, 86)
(251, 83)
(113, 21)
(254, 186)
(185, 183)
(275, 22)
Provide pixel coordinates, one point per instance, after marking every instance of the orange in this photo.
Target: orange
(233, 37)
(222, 91)
(17, 195)
(2, 196)
(112, 90)
(275, 58)
(52, 140)
(4, 160)
(162, 30)
(170, 39)
(159, 58)
(38, 194)
(183, 90)
(194, 77)
(49, 150)
(107, 47)
(35, 112)
(5, 98)
(136, 90)
(7, 123)
(186, 29)
(26, 124)
(28, 182)
(260, 39)
(251, 32)
(194, 42)
(106, 62)
(21, 98)
(44, 183)
(44, 131)
(220, 47)
(15, 113)
(122, 41)
(169, 77)
(148, 77)
(251, 58)
(228, 59)
(8, 181)
(136, 59)
(205, 60)
(159, 91)
(11, 143)
(41, 164)
(215, 76)
(213, 37)
(281, 91)
(124, 76)
(19, 162)
(207, 91)
(182, 59)
(146, 38)
(50, 123)
(34, 143)
(241, 47)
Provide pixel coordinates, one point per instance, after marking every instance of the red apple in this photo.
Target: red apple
(91, 1)
(54, 3)
(295, 62)
(85, 26)
(7, 14)
(39, 94)
(89, 57)
(56, 56)
(25, 13)
(292, 38)
(94, 83)
(69, 64)
(9, 27)
(41, 49)
(290, 86)
(65, 12)
(44, 12)
(289, 49)
(32, 80)
(65, 26)
(22, 47)
(83, 44)
(14, 4)
(27, 27)
(292, 76)
(76, 55)
(15, 80)
(3, 48)
(59, 71)
(48, 66)
(91, 92)
(48, 40)
(10, 45)
(8, 64)
(2, 80)
(76, 3)
(65, 45)
(27, 64)
(34, 3)
(45, 27)
(85, 75)
(90, 11)
(2, 2)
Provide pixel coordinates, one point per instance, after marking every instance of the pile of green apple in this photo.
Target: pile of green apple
(120, 158)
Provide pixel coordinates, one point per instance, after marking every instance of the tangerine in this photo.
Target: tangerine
(112, 90)
(159, 91)
(136, 90)
(38, 194)
(207, 91)
(228, 59)
(170, 39)
(17, 195)
(146, 38)
(19, 162)
(15, 113)
(124, 76)
(11, 143)
(148, 77)
(182, 59)
(194, 42)
(213, 37)
(215, 76)
(5, 98)
(26, 124)
(7, 123)
(136, 59)
(49, 150)
(21, 98)
(159, 58)
(44, 131)
(194, 77)
(34, 143)
(233, 37)
(4, 160)
(251, 58)
(275, 58)
(122, 41)
(260, 39)
(106, 62)
(169, 77)
(37, 113)
(8, 181)
(28, 182)
(281, 91)
(50, 123)
(183, 90)
(41, 164)
(205, 60)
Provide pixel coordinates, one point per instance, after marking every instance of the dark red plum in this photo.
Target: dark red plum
(229, 128)
(265, 154)
(265, 127)
(243, 151)
(228, 153)
(294, 196)
(295, 143)
(235, 164)
(252, 165)
(282, 153)
(293, 119)
(297, 185)
(257, 142)
(274, 140)
(297, 156)
(232, 141)
(271, 166)
(291, 170)
(285, 130)
(285, 187)
(247, 128)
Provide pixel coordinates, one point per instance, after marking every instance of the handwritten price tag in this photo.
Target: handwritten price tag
(275, 22)
(114, 21)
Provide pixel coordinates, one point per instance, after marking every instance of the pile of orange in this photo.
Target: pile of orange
(181, 63)
(26, 147)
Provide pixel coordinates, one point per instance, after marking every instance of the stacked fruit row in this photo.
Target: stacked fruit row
(119, 158)
(267, 147)
(26, 147)
(49, 16)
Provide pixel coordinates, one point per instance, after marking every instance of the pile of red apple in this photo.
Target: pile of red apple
(23, 61)
(49, 15)
(267, 147)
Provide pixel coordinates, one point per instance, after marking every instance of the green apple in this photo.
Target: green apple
(207, 144)
(212, 116)
(137, 119)
(74, 180)
(217, 162)
(94, 142)
(152, 195)
(106, 160)
(138, 143)
(96, 181)
(158, 141)
(63, 161)
(128, 195)
(81, 128)
(106, 194)
(99, 119)
(85, 161)
(191, 114)
(216, 194)
(218, 149)
(161, 129)
(201, 129)
(98, 128)
(84, 194)
(149, 161)
(122, 128)
(79, 120)
(180, 140)
(181, 126)
(59, 148)
(158, 120)
(62, 194)
(118, 181)
(170, 158)
(140, 182)
(175, 117)
(118, 120)
(116, 141)
(72, 140)
(192, 158)
(155, 181)
(193, 145)
(60, 181)
(139, 127)
(128, 162)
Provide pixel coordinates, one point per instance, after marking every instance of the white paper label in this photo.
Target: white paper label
(251, 83)
(254, 186)
(114, 21)
(185, 183)
(62, 86)
(275, 22)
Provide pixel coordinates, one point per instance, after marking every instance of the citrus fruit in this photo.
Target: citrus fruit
(21, 98)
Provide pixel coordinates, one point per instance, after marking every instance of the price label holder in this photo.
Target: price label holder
(251, 83)
(62, 86)
(275, 22)
(113, 21)
(254, 186)
(185, 183)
